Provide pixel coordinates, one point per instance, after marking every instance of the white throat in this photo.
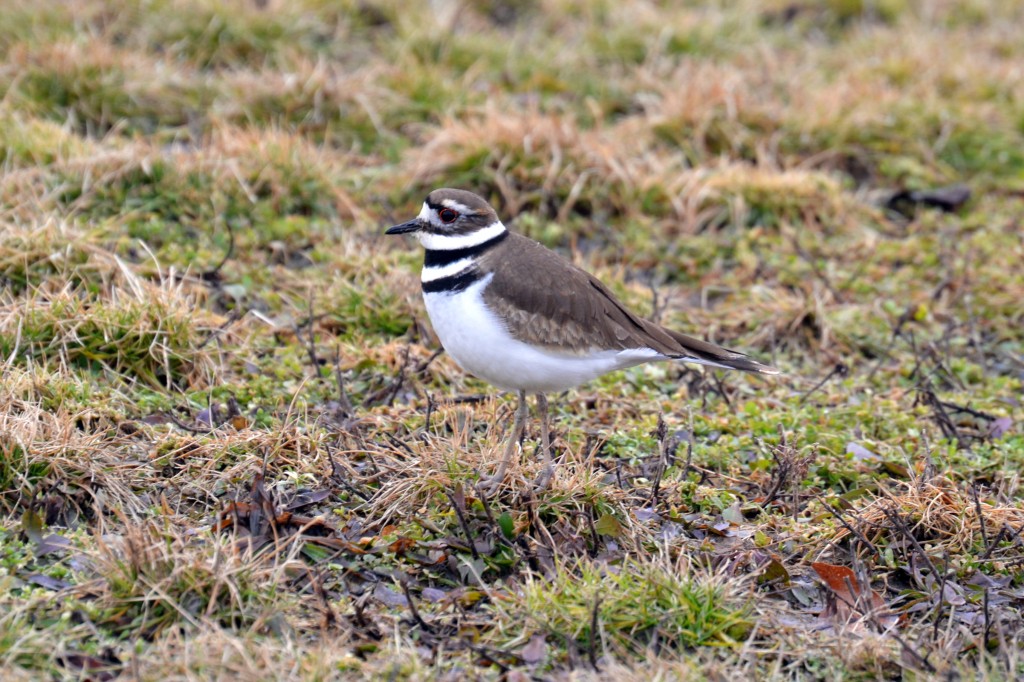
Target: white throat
(448, 242)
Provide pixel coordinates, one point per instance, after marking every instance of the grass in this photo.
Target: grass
(229, 447)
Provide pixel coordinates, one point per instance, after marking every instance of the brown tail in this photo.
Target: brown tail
(704, 353)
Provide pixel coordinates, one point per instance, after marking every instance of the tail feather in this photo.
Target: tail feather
(705, 353)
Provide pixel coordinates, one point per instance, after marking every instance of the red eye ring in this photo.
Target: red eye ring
(448, 215)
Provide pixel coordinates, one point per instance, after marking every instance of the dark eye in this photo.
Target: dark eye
(448, 215)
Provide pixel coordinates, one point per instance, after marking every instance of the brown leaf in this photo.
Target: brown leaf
(851, 600)
(402, 545)
(459, 496)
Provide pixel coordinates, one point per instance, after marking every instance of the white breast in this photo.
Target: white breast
(478, 340)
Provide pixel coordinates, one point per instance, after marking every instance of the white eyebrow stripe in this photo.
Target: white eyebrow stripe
(429, 274)
(447, 242)
(461, 208)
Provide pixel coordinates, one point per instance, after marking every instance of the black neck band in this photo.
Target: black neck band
(453, 283)
(436, 258)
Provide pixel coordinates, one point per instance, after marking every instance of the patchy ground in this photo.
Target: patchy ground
(230, 447)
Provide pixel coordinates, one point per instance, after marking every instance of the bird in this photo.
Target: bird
(523, 318)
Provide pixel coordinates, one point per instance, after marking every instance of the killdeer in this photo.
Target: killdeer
(524, 319)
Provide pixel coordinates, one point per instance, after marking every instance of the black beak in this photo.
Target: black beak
(404, 228)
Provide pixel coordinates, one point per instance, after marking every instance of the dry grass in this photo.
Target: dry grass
(229, 449)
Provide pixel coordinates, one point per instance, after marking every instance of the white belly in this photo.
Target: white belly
(482, 346)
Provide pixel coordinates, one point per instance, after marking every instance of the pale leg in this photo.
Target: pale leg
(522, 411)
(545, 439)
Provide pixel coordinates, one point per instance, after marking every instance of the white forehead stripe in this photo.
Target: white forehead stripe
(427, 215)
(442, 271)
(447, 242)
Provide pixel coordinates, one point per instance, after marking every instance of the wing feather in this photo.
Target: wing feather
(545, 300)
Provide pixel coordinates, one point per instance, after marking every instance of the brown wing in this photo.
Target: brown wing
(545, 300)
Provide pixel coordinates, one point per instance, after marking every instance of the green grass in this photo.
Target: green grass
(637, 607)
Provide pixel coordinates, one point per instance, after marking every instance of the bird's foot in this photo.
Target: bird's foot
(490, 484)
(541, 483)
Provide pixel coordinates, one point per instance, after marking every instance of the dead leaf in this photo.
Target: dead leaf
(535, 650)
(774, 572)
(402, 545)
(105, 667)
(308, 498)
(999, 427)
(851, 600)
(608, 525)
(432, 594)
(733, 515)
(459, 497)
(389, 597)
(860, 453)
(947, 199)
(47, 582)
(32, 526)
(646, 514)
(895, 469)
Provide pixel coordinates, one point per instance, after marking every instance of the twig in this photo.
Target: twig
(853, 530)
(939, 414)
(430, 413)
(309, 342)
(465, 526)
(942, 597)
(233, 316)
(988, 620)
(412, 607)
(399, 380)
(999, 538)
(190, 429)
(346, 404)
(981, 517)
(967, 410)
(822, 277)
(840, 370)
(595, 538)
(897, 521)
(399, 444)
(661, 433)
(422, 367)
(721, 391)
(995, 543)
(213, 276)
(592, 652)
(499, 534)
(657, 304)
(341, 479)
(871, 616)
